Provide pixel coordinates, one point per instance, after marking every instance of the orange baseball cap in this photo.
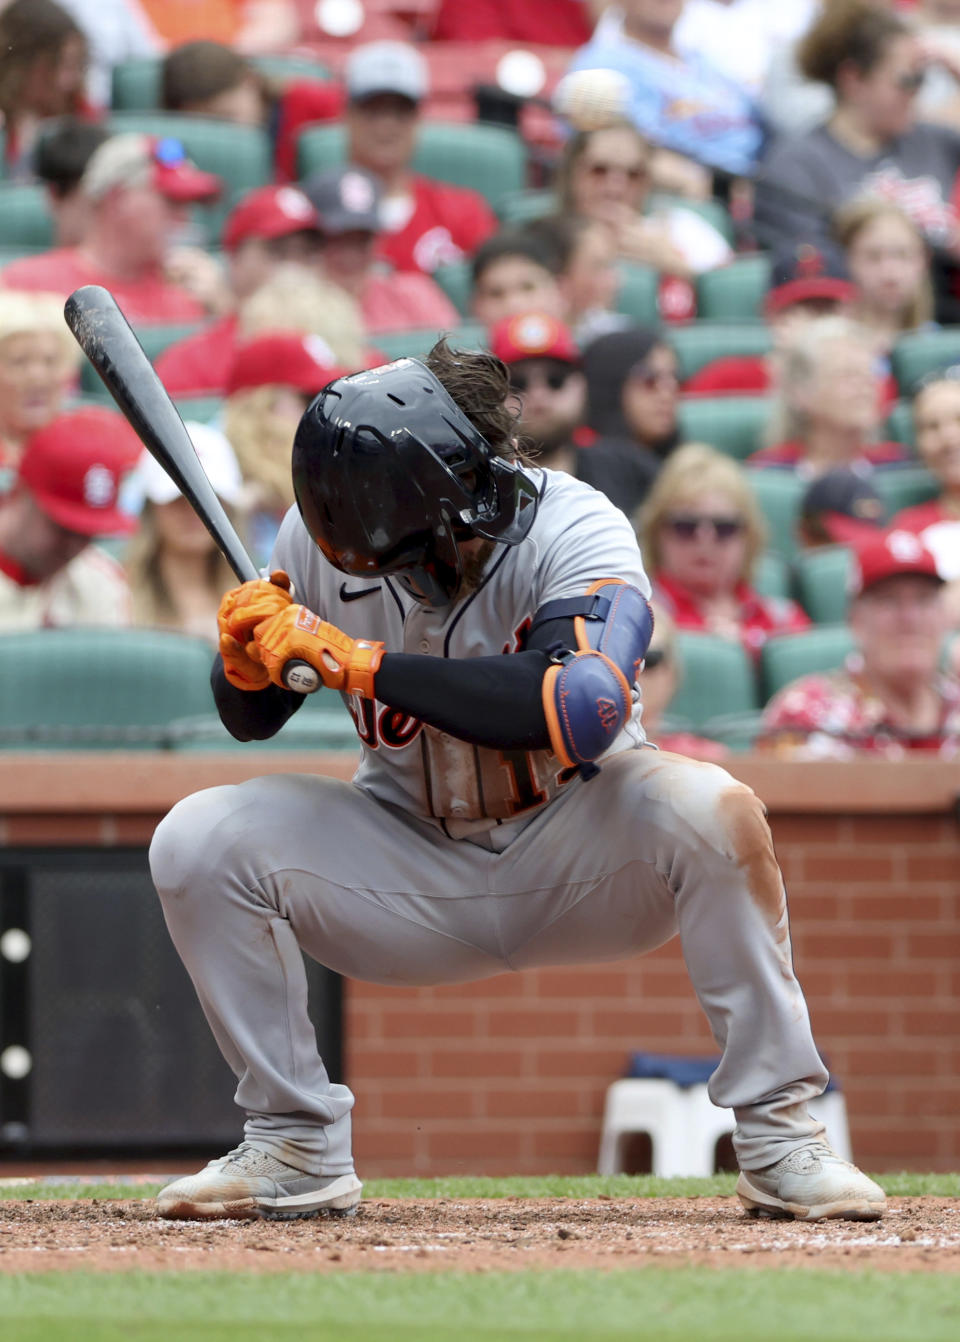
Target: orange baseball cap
(73, 467)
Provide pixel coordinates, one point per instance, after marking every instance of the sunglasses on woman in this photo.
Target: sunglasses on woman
(686, 526)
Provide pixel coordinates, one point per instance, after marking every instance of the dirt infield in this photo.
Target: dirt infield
(390, 1235)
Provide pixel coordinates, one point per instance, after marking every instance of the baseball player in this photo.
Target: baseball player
(485, 622)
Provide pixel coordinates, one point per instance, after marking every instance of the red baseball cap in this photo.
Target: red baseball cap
(806, 275)
(73, 468)
(890, 556)
(533, 335)
(134, 159)
(283, 359)
(270, 212)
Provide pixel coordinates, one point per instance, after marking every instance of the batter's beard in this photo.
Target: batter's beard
(472, 565)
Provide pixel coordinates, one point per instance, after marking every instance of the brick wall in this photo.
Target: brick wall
(508, 1075)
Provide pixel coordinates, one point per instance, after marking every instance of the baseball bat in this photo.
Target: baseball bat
(108, 341)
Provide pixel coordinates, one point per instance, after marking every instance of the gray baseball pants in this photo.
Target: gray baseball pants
(652, 845)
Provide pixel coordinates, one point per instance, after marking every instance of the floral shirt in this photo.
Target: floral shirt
(836, 715)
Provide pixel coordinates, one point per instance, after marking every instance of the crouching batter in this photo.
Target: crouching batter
(485, 622)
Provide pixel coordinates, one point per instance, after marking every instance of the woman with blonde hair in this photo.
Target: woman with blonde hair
(829, 407)
(38, 361)
(701, 533)
(888, 260)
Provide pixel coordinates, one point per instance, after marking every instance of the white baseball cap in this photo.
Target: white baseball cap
(150, 481)
(386, 67)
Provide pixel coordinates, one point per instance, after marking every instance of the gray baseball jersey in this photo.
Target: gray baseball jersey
(577, 537)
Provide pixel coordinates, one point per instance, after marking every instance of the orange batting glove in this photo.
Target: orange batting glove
(243, 668)
(242, 608)
(343, 663)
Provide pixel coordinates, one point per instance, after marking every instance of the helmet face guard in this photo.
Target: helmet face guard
(391, 477)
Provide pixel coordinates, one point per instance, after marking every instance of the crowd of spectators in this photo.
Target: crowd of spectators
(804, 153)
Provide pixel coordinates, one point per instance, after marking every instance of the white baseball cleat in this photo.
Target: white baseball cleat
(811, 1184)
(249, 1182)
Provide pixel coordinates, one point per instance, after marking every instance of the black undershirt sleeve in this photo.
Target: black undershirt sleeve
(251, 715)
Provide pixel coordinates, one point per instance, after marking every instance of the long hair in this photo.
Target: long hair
(30, 30)
(152, 602)
(848, 32)
(262, 442)
(798, 365)
(850, 221)
(573, 151)
(480, 384)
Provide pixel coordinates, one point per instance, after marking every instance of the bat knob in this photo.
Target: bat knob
(300, 677)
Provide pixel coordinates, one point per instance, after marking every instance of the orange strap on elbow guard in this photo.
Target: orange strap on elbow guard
(343, 663)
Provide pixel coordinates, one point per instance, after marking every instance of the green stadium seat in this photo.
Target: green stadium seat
(716, 679)
(779, 494)
(637, 295)
(771, 575)
(735, 292)
(701, 342)
(899, 424)
(136, 82)
(25, 219)
(789, 656)
(201, 408)
(523, 207)
(731, 424)
(710, 210)
(98, 688)
(822, 576)
(902, 487)
(915, 356)
(417, 342)
(456, 282)
(489, 159)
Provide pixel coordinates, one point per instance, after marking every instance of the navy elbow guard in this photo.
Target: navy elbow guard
(588, 695)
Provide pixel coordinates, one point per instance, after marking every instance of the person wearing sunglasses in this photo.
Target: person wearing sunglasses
(872, 143)
(701, 533)
(138, 188)
(633, 394)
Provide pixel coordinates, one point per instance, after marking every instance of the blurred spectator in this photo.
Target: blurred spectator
(43, 63)
(64, 496)
(548, 385)
(348, 203)
(659, 681)
(633, 394)
(562, 23)
(889, 697)
(38, 360)
(606, 175)
(249, 26)
(300, 301)
(515, 272)
(586, 273)
(424, 223)
(840, 507)
(60, 161)
(176, 573)
(679, 100)
(936, 427)
(272, 228)
(829, 407)
(116, 31)
(139, 189)
(888, 262)
(273, 378)
(805, 286)
(871, 145)
(701, 532)
(210, 79)
(739, 37)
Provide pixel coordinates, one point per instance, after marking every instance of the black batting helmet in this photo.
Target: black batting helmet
(389, 474)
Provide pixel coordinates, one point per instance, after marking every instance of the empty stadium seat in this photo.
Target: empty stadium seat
(731, 424)
(701, 342)
(417, 342)
(456, 282)
(637, 294)
(914, 356)
(25, 220)
(717, 679)
(822, 576)
(489, 159)
(323, 723)
(789, 656)
(136, 82)
(771, 575)
(735, 292)
(902, 487)
(779, 494)
(899, 424)
(95, 688)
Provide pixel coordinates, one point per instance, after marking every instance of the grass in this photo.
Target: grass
(904, 1184)
(670, 1305)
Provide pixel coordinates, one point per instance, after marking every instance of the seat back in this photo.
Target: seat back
(736, 292)
(716, 679)
(915, 356)
(488, 159)
(779, 494)
(771, 575)
(701, 342)
(731, 424)
(903, 487)
(26, 223)
(788, 656)
(136, 87)
(822, 580)
(638, 293)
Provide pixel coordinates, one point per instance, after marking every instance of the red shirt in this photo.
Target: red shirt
(447, 223)
(759, 616)
(201, 362)
(792, 456)
(921, 516)
(151, 298)
(559, 23)
(404, 301)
